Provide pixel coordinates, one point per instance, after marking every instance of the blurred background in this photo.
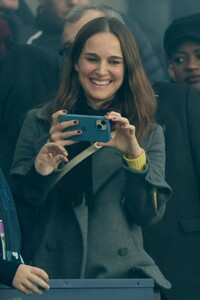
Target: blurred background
(121, 5)
(146, 19)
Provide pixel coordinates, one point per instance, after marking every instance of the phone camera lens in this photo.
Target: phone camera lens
(103, 122)
(99, 126)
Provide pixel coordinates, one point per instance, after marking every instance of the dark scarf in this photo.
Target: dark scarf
(4, 33)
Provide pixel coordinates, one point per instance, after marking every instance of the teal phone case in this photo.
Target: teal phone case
(94, 128)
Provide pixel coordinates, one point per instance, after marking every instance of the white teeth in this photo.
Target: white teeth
(101, 83)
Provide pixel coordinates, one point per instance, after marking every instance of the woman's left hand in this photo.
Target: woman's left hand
(124, 138)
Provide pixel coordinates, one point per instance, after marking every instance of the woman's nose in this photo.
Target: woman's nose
(102, 68)
(193, 63)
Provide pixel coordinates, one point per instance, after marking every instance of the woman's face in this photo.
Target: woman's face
(185, 64)
(101, 68)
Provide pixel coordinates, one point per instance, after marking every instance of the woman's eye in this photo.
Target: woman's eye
(114, 62)
(91, 59)
(179, 60)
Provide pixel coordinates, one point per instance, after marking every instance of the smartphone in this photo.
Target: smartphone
(94, 128)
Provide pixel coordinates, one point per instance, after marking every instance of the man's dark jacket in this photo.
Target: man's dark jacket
(21, 22)
(174, 242)
(50, 30)
(29, 75)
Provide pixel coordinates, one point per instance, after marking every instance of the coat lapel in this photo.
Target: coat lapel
(105, 163)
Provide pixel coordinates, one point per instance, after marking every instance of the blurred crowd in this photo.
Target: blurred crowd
(34, 48)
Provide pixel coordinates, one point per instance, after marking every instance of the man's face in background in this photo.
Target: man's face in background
(70, 30)
(59, 8)
(72, 3)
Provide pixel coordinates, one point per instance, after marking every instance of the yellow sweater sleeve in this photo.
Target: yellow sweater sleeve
(138, 164)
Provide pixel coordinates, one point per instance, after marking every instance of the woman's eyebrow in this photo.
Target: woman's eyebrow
(95, 54)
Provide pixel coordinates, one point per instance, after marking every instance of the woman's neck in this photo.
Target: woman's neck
(98, 105)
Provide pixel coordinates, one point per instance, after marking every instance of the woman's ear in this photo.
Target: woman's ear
(76, 68)
(171, 72)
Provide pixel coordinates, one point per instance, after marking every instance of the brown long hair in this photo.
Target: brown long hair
(135, 98)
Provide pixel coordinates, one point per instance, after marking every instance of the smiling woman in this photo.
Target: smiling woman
(80, 229)
(100, 68)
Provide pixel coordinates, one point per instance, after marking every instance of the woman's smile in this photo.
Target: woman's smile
(100, 83)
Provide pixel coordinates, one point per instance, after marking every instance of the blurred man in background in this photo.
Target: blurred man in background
(19, 18)
(50, 21)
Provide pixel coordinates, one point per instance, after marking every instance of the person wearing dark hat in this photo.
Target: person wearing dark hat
(177, 252)
(175, 242)
(182, 48)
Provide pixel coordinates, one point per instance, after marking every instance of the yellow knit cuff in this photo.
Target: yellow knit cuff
(155, 197)
(137, 163)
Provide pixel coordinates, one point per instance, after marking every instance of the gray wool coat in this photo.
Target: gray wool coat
(110, 230)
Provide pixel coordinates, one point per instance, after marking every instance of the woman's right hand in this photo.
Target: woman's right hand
(54, 152)
(57, 134)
